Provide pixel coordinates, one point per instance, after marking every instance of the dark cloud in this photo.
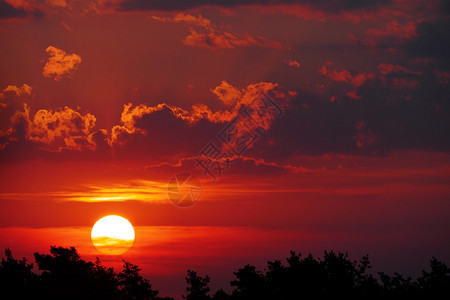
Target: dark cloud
(432, 41)
(444, 5)
(174, 5)
(8, 11)
(389, 117)
(166, 136)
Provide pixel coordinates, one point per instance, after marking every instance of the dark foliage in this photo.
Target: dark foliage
(197, 288)
(64, 275)
(334, 276)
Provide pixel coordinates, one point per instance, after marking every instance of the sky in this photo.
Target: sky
(341, 119)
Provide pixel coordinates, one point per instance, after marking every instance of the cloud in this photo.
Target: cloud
(128, 122)
(399, 79)
(432, 41)
(8, 11)
(57, 3)
(402, 83)
(68, 129)
(13, 9)
(60, 64)
(444, 5)
(226, 93)
(57, 130)
(330, 10)
(66, 26)
(353, 95)
(188, 19)
(231, 96)
(391, 34)
(131, 116)
(443, 78)
(25, 89)
(174, 5)
(364, 137)
(240, 164)
(204, 34)
(292, 63)
(213, 40)
(346, 76)
(386, 69)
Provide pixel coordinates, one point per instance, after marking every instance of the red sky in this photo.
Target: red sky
(103, 102)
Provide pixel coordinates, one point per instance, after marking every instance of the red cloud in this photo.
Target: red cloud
(228, 94)
(292, 63)
(364, 137)
(307, 12)
(7, 134)
(402, 83)
(130, 116)
(60, 63)
(57, 3)
(67, 129)
(386, 69)
(25, 89)
(214, 40)
(317, 11)
(392, 32)
(396, 81)
(353, 95)
(186, 18)
(63, 129)
(345, 76)
(203, 33)
(242, 159)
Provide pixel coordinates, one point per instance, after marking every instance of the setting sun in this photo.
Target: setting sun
(112, 235)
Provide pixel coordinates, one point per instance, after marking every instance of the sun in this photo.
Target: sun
(112, 235)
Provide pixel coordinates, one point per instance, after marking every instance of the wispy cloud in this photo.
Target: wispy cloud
(203, 33)
(346, 76)
(292, 63)
(133, 190)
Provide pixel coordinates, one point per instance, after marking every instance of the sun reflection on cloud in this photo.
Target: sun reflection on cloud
(141, 190)
(136, 190)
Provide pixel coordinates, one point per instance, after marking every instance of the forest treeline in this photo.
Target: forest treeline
(64, 275)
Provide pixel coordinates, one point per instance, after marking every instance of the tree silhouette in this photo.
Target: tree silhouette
(221, 295)
(133, 286)
(397, 286)
(250, 284)
(16, 277)
(341, 275)
(334, 276)
(105, 281)
(437, 282)
(64, 275)
(197, 288)
(305, 277)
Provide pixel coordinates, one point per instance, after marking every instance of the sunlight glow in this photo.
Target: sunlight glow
(112, 235)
